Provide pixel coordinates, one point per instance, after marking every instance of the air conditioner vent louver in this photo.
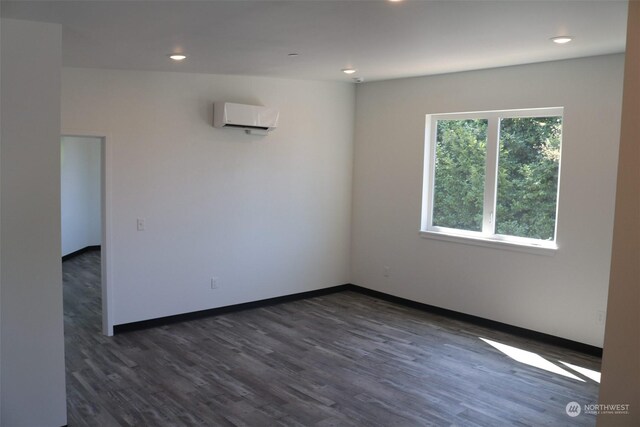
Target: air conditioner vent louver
(253, 119)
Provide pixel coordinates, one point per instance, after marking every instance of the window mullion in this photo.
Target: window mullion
(491, 181)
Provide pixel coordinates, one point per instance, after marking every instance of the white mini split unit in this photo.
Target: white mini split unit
(254, 119)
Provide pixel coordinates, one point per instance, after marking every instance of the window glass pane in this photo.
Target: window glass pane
(528, 167)
(458, 197)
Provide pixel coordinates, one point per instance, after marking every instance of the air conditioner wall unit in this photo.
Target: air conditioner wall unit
(254, 119)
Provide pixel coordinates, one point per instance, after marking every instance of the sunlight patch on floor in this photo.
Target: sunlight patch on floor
(589, 373)
(530, 358)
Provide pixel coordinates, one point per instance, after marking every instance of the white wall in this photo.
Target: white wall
(32, 389)
(80, 168)
(268, 216)
(559, 295)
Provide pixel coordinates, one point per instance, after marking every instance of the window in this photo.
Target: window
(493, 176)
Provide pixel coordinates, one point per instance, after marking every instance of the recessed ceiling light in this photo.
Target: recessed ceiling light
(178, 56)
(348, 70)
(293, 54)
(561, 39)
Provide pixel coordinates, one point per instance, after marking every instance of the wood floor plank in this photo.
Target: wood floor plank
(343, 359)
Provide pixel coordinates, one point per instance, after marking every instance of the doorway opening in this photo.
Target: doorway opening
(84, 232)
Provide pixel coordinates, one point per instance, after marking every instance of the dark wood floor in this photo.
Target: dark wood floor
(339, 360)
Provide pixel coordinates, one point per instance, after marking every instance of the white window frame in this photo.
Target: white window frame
(487, 236)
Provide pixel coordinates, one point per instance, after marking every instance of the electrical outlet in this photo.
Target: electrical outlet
(386, 271)
(214, 283)
(140, 224)
(601, 316)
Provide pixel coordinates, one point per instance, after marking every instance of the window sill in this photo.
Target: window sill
(549, 249)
